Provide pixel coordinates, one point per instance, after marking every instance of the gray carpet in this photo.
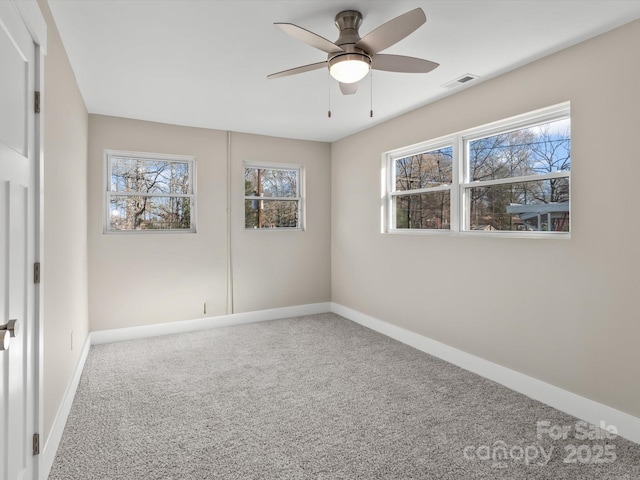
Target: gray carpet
(316, 397)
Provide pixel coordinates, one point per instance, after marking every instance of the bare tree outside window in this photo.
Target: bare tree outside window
(149, 193)
(512, 175)
(272, 197)
(423, 203)
(517, 205)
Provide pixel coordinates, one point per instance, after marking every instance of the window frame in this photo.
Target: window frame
(108, 193)
(461, 184)
(392, 193)
(300, 194)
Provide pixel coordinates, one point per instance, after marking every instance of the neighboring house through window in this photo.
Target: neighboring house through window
(510, 176)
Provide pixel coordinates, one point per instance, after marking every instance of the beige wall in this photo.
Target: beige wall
(64, 270)
(563, 311)
(282, 268)
(140, 279)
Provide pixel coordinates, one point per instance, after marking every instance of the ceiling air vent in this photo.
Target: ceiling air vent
(467, 77)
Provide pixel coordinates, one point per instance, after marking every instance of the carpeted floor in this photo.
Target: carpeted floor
(316, 397)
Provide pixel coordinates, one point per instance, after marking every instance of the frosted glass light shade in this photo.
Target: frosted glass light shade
(349, 68)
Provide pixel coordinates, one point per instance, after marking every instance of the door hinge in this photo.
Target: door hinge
(36, 444)
(36, 272)
(36, 103)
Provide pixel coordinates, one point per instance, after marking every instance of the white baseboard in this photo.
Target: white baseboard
(146, 331)
(582, 408)
(60, 420)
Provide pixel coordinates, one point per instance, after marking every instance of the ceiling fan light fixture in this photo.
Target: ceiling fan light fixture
(350, 67)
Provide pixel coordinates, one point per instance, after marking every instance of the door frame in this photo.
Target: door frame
(33, 19)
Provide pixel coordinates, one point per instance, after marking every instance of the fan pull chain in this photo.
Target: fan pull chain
(329, 90)
(371, 92)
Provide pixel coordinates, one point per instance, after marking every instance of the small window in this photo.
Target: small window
(273, 197)
(149, 192)
(421, 190)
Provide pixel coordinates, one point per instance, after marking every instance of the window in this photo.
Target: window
(272, 196)
(149, 192)
(421, 194)
(511, 176)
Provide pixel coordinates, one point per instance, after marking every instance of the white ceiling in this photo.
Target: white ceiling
(204, 62)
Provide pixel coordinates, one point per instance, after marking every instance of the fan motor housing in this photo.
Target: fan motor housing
(348, 23)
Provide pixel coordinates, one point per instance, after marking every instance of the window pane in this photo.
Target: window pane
(150, 213)
(428, 169)
(271, 213)
(527, 206)
(270, 182)
(149, 176)
(535, 150)
(425, 210)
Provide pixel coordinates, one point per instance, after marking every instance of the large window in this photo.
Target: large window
(273, 196)
(511, 176)
(149, 192)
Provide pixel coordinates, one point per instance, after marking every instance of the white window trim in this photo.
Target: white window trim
(300, 198)
(389, 192)
(459, 141)
(106, 217)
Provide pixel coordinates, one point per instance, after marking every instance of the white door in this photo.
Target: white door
(17, 247)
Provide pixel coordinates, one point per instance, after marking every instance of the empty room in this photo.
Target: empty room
(319, 239)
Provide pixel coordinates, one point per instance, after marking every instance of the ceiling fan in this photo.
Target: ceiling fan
(351, 58)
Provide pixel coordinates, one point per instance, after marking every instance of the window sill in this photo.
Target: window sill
(498, 234)
(277, 229)
(148, 232)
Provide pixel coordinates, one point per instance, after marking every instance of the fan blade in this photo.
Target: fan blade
(392, 32)
(401, 63)
(348, 88)
(295, 71)
(309, 38)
